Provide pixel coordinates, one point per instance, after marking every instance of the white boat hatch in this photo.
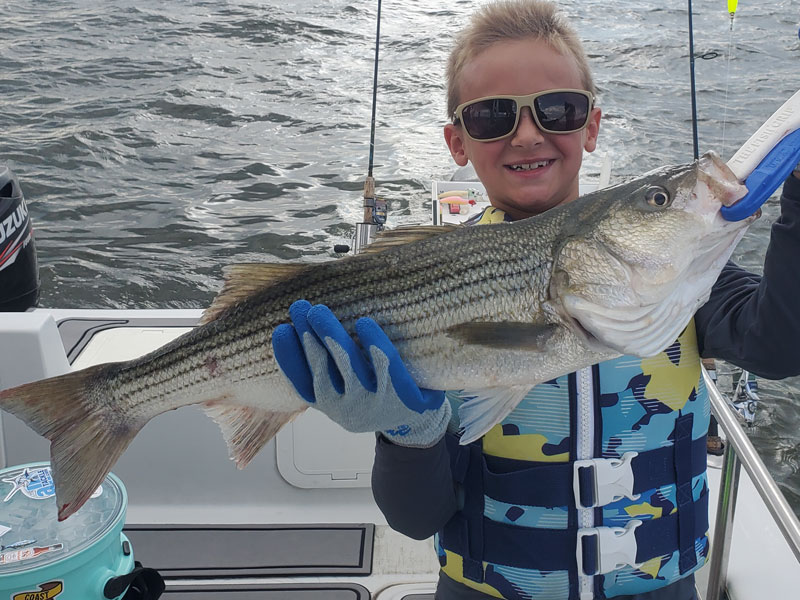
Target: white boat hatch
(302, 464)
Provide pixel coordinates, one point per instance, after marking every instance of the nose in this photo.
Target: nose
(527, 132)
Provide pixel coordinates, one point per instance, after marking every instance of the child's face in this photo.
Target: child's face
(522, 67)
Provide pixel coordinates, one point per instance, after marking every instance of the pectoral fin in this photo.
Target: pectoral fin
(505, 336)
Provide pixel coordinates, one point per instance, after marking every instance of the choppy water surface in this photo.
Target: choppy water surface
(158, 141)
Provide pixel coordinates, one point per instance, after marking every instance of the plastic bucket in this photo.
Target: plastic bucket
(40, 558)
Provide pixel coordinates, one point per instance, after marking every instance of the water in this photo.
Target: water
(158, 141)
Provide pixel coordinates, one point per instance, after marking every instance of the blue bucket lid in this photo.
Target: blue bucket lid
(30, 534)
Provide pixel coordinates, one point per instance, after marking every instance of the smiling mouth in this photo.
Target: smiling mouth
(531, 166)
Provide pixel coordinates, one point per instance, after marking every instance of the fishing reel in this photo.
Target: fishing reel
(745, 398)
(375, 211)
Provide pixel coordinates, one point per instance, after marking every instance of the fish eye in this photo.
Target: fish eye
(658, 196)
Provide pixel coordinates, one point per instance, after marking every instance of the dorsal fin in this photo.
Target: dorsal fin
(243, 280)
(405, 235)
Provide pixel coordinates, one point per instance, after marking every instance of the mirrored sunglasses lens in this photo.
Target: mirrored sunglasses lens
(489, 119)
(562, 111)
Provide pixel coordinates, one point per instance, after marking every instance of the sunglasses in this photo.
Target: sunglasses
(496, 117)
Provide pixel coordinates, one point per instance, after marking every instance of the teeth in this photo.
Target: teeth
(530, 166)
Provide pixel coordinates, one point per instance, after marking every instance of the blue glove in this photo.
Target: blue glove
(359, 392)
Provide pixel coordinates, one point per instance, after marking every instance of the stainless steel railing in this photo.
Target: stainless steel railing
(739, 451)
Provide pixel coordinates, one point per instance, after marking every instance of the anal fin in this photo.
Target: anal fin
(483, 409)
(246, 429)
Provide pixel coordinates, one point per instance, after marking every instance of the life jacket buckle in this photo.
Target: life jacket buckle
(614, 548)
(609, 479)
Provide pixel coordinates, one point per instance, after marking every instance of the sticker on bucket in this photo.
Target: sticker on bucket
(19, 544)
(48, 590)
(27, 553)
(36, 484)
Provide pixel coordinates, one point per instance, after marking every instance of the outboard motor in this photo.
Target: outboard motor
(19, 270)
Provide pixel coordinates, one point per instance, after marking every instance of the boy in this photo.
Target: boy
(523, 513)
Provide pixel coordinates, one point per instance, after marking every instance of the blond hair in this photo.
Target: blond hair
(514, 20)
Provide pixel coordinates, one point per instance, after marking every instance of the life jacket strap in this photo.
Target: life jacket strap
(509, 480)
(557, 549)
(601, 481)
(604, 549)
(684, 467)
(470, 522)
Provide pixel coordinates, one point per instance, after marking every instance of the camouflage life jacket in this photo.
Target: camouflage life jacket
(594, 486)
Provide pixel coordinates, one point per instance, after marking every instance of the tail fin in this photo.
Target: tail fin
(87, 433)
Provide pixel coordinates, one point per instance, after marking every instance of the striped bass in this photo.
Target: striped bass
(491, 310)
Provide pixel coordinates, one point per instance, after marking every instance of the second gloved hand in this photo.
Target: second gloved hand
(372, 392)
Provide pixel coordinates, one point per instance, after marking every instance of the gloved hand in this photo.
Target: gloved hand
(361, 393)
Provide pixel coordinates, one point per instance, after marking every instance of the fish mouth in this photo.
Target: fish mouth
(720, 180)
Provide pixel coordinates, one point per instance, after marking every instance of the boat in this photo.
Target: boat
(300, 521)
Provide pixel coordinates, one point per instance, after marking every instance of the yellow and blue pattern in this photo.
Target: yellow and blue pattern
(639, 401)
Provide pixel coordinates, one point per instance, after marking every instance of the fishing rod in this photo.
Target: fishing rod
(374, 92)
(692, 83)
(374, 208)
(732, 6)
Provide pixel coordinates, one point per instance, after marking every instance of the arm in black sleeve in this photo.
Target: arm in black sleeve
(754, 322)
(413, 487)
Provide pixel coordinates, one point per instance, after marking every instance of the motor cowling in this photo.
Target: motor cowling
(19, 269)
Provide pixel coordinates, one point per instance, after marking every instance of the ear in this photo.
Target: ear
(454, 137)
(592, 130)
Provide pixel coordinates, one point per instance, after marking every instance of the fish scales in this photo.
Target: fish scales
(352, 289)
